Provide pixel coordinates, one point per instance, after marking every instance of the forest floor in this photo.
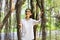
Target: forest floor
(55, 35)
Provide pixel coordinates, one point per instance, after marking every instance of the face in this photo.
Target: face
(28, 13)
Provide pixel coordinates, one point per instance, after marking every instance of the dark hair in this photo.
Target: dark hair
(27, 9)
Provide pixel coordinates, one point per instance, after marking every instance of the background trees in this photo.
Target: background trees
(14, 10)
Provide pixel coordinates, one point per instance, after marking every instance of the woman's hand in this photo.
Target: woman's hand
(20, 26)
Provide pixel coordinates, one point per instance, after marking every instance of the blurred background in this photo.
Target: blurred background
(12, 11)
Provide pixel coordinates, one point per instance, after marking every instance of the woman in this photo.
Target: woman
(27, 25)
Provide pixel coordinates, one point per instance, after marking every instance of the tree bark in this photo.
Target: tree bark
(33, 10)
(18, 17)
(6, 31)
(43, 19)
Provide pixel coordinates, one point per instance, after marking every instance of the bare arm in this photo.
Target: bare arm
(20, 26)
(37, 21)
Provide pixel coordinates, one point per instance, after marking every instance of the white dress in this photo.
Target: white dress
(27, 28)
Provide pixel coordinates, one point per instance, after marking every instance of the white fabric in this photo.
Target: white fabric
(27, 28)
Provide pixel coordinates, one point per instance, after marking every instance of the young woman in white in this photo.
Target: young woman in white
(27, 25)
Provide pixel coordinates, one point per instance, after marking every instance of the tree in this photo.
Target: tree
(43, 20)
(33, 10)
(18, 17)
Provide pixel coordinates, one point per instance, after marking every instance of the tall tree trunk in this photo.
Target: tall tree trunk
(37, 12)
(18, 17)
(6, 31)
(43, 19)
(33, 10)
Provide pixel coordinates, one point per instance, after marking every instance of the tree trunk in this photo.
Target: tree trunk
(33, 10)
(7, 16)
(37, 12)
(9, 27)
(6, 31)
(43, 22)
(18, 17)
(43, 19)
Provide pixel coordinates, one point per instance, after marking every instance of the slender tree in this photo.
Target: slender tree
(43, 19)
(6, 32)
(33, 10)
(18, 17)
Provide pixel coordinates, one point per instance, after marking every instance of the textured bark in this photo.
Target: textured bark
(43, 19)
(18, 13)
(33, 10)
(6, 31)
